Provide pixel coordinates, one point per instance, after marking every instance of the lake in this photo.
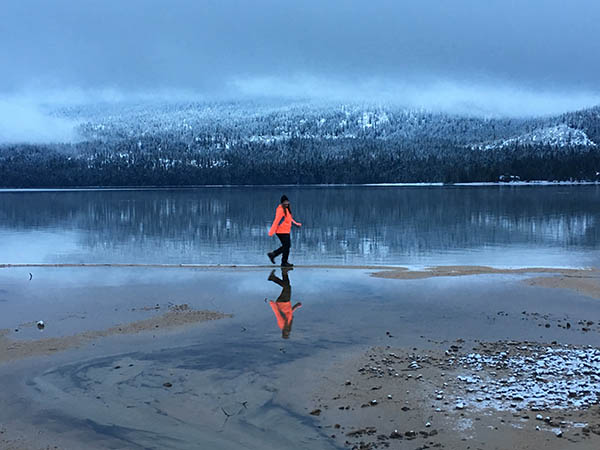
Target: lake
(503, 226)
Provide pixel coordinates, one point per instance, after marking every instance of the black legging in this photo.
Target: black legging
(284, 250)
(286, 291)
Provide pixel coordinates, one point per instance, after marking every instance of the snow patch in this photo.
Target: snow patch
(556, 136)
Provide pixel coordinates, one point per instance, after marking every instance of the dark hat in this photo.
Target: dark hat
(283, 198)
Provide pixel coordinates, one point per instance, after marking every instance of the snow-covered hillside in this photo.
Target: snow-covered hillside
(555, 136)
(227, 124)
(255, 143)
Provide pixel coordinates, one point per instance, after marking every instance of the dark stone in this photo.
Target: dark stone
(410, 434)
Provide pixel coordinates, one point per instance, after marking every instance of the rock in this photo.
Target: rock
(167, 385)
(315, 412)
(395, 435)
(428, 424)
(362, 431)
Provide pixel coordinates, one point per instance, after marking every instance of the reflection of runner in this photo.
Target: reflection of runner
(282, 307)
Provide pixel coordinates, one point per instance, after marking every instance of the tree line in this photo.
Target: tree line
(297, 161)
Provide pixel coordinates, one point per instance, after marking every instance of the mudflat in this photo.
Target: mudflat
(162, 357)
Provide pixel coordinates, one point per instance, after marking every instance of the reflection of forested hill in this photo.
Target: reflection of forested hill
(339, 221)
(249, 143)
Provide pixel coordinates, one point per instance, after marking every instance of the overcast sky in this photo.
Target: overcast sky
(508, 56)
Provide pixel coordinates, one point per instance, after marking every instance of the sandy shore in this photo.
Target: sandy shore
(492, 396)
(176, 316)
(346, 378)
(582, 281)
(457, 271)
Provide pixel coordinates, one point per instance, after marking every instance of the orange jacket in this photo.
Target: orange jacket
(279, 226)
(283, 312)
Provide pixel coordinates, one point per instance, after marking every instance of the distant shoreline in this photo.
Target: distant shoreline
(212, 186)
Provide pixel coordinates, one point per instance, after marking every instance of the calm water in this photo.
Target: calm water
(413, 226)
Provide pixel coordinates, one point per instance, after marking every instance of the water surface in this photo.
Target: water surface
(413, 226)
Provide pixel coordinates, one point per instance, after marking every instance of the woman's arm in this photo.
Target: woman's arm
(278, 216)
(296, 223)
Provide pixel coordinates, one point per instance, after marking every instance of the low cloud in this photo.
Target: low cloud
(493, 99)
(36, 115)
(22, 121)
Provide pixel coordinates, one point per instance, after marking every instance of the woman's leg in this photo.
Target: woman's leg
(279, 251)
(285, 247)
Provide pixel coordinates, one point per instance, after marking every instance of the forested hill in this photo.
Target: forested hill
(272, 143)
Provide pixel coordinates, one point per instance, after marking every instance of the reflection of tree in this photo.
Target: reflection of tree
(349, 220)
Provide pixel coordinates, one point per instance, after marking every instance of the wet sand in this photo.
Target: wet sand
(176, 316)
(236, 383)
(582, 281)
(458, 271)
